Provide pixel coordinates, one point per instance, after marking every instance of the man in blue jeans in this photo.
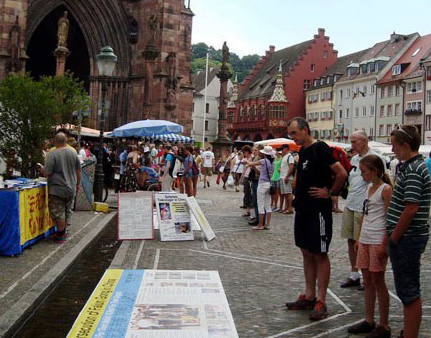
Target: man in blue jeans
(407, 224)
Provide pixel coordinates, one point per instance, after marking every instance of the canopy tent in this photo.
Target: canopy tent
(147, 128)
(87, 132)
(174, 138)
(265, 142)
(375, 144)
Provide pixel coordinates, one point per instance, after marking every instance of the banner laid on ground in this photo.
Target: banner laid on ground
(135, 215)
(200, 218)
(174, 217)
(156, 303)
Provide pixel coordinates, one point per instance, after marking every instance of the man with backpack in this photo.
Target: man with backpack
(286, 177)
(352, 215)
(319, 176)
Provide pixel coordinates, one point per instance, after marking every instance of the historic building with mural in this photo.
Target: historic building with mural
(152, 40)
(275, 90)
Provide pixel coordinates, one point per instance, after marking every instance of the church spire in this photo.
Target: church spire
(279, 95)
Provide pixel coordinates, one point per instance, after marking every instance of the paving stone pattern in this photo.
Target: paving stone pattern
(261, 270)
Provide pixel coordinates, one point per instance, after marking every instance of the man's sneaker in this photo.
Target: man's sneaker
(320, 311)
(301, 303)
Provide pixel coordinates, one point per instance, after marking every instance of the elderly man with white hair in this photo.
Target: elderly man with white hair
(352, 216)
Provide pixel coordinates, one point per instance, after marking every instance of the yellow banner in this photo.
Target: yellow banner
(89, 318)
(34, 219)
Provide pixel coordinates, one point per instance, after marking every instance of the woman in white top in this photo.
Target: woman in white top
(237, 169)
(371, 246)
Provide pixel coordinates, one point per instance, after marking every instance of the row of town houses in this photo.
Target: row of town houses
(372, 90)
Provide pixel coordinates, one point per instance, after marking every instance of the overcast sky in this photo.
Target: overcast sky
(250, 26)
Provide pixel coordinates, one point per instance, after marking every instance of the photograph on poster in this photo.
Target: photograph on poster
(166, 317)
(174, 217)
(165, 211)
(182, 227)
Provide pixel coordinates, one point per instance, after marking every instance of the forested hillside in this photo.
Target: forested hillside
(240, 66)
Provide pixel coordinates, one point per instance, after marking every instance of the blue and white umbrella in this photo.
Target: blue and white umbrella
(147, 128)
(174, 138)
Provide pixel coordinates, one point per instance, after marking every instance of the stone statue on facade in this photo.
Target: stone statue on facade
(172, 81)
(63, 30)
(152, 24)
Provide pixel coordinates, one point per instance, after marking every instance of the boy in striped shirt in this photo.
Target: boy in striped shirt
(407, 224)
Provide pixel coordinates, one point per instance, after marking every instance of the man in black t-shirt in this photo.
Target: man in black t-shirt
(313, 214)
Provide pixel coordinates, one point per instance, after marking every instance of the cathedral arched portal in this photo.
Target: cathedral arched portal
(93, 24)
(42, 44)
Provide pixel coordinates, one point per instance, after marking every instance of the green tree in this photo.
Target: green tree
(26, 120)
(70, 94)
(240, 66)
(199, 50)
(29, 110)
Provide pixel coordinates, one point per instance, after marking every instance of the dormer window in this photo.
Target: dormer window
(396, 70)
(322, 81)
(364, 69)
(316, 82)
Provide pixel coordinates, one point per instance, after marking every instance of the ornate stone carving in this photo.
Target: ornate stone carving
(14, 65)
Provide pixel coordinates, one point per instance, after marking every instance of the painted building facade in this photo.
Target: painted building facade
(427, 126)
(397, 86)
(321, 100)
(356, 91)
(256, 116)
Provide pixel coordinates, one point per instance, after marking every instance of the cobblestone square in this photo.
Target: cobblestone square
(261, 270)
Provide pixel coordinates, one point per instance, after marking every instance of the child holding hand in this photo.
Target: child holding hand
(371, 247)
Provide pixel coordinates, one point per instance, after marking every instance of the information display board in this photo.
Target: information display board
(174, 217)
(156, 303)
(200, 218)
(135, 215)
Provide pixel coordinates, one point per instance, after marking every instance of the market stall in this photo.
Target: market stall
(25, 216)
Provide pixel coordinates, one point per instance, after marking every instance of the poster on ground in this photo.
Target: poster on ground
(156, 303)
(200, 218)
(174, 217)
(135, 215)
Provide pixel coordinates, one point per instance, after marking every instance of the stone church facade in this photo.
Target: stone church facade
(151, 38)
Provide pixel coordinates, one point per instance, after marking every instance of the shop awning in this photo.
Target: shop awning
(174, 138)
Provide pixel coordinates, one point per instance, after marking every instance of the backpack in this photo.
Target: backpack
(195, 169)
(340, 156)
(295, 164)
(175, 166)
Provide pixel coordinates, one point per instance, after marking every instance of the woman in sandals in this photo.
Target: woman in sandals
(263, 196)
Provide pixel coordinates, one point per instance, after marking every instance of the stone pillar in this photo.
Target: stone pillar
(222, 143)
(61, 54)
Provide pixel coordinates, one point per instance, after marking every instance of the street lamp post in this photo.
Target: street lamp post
(106, 61)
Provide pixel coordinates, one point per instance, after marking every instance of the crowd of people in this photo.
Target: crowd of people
(383, 217)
